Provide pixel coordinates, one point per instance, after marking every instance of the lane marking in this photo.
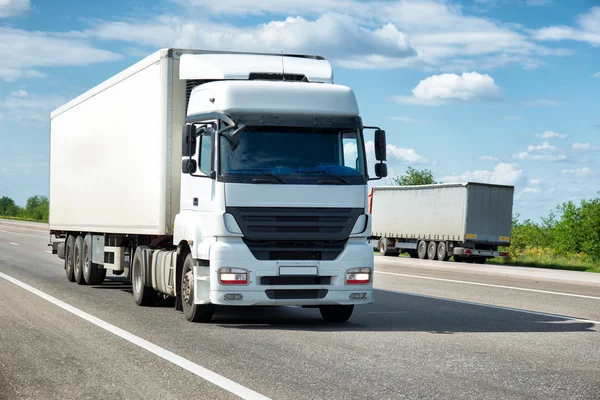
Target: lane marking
(13, 243)
(471, 303)
(489, 285)
(204, 373)
(49, 251)
(23, 234)
(28, 229)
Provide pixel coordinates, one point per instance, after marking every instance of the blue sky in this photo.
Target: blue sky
(504, 91)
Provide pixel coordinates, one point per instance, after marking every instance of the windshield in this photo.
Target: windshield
(293, 155)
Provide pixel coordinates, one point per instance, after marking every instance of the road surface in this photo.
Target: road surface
(435, 332)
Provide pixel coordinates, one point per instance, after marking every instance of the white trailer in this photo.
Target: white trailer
(467, 221)
(217, 179)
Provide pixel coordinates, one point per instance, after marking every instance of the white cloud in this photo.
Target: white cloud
(534, 182)
(395, 153)
(502, 174)
(488, 158)
(29, 109)
(408, 119)
(542, 152)
(581, 146)
(439, 89)
(588, 30)
(596, 75)
(20, 93)
(14, 8)
(542, 103)
(528, 191)
(552, 135)
(581, 172)
(22, 52)
(352, 33)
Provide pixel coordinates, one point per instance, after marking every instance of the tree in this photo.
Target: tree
(37, 208)
(414, 177)
(8, 208)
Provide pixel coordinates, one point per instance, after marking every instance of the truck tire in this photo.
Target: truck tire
(336, 313)
(193, 312)
(432, 250)
(92, 273)
(70, 258)
(442, 252)
(144, 296)
(78, 269)
(422, 249)
(459, 259)
(385, 250)
(413, 254)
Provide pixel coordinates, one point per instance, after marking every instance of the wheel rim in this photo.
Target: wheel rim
(431, 250)
(137, 276)
(187, 287)
(86, 258)
(422, 250)
(441, 251)
(77, 260)
(69, 257)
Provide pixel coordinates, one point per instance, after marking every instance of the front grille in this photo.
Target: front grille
(309, 250)
(295, 280)
(295, 224)
(302, 294)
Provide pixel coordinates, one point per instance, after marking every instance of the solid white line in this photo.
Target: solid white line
(22, 234)
(194, 368)
(13, 243)
(489, 285)
(471, 303)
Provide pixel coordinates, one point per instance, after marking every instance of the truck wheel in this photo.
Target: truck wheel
(442, 253)
(144, 296)
(78, 265)
(92, 273)
(193, 312)
(458, 259)
(422, 250)
(336, 313)
(385, 250)
(413, 254)
(70, 258)
(432, 250)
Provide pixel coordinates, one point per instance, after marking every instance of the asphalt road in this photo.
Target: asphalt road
(435, 332)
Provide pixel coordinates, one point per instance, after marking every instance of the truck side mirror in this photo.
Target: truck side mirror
(381, 170)
(188, 166)
(380, 145)
(188, 141)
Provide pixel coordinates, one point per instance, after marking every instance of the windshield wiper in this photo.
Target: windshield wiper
(331, 174)
(265, 173)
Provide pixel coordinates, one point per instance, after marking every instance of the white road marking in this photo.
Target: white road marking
(23, 234)
(49, 251)
(490, 285)
(194, 368)
(13, 243)
(471, 303)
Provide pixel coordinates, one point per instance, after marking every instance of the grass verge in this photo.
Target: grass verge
(563, 263)
(22, 219)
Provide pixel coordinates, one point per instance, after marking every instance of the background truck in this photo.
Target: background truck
(217, 179)
(467, 221)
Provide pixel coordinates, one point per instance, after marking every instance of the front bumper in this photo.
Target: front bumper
(233, 253)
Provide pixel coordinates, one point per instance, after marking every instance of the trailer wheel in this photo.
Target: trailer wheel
(193, 312)
(144, 296)
(442, 253)
(78, 265)
(413, 254)
(70, 258)
(336, 313)
(385, 250)
(422, 250)
(92, 273)
(432, 250)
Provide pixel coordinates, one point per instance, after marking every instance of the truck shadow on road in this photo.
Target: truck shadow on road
(404, 313)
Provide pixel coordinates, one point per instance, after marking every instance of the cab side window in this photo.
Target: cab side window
(206, 153)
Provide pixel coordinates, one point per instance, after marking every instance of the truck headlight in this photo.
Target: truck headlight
(358, 276)
(233, 276)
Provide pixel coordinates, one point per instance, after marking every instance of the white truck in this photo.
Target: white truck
(466, 221)
(217, 178)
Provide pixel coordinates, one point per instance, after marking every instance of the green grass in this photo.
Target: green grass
(563, 263)
(22, 219)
